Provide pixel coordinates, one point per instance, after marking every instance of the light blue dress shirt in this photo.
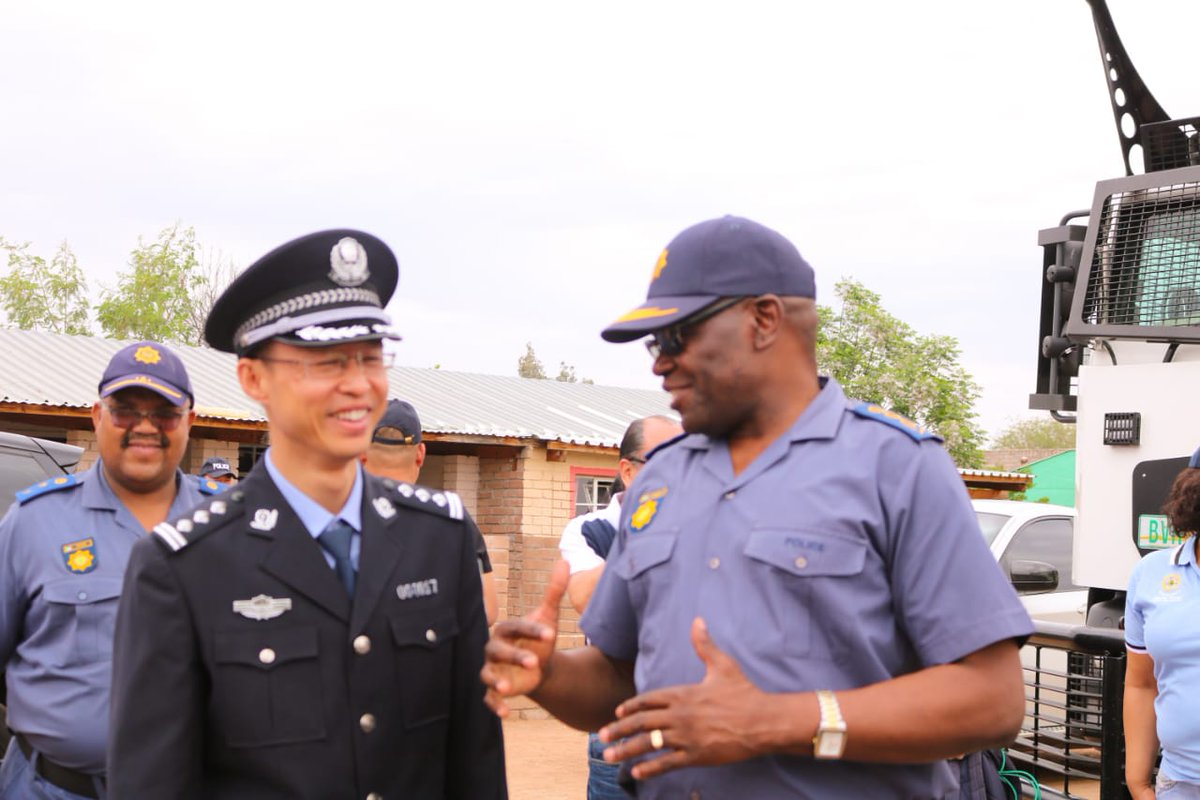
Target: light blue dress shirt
(315, 517)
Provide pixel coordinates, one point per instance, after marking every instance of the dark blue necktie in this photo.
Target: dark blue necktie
(336, 541)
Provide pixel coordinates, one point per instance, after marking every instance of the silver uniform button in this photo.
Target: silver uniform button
(730, 495)
(367, 723)
(714, 562)
(362, 645)
(431, 635)
(266, 655)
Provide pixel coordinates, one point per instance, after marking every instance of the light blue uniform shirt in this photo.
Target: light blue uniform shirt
(1161, 609)
(846, 554)
(63, 553)
(314, 516)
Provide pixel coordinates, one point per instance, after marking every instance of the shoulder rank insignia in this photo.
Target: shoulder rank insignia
(648, 505)
(209, 486)
(48, 485)
(178, 534)
(80, 557)
(897, 421)
(445, 503)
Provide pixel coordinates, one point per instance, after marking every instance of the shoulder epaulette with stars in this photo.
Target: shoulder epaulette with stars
(179, 533)
(897, 421)
(432, 501)
(46, 486)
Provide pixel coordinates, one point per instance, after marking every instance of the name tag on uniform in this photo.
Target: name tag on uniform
(262, 607)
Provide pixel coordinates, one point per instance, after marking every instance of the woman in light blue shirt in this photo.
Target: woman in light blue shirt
(1162, 706)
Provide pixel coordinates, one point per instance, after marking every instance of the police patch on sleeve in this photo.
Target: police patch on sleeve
(648, 506)
(897, 421)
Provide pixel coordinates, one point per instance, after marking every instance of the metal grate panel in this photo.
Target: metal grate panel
(1145, 269)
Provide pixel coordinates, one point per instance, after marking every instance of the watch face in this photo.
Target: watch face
(830, 744)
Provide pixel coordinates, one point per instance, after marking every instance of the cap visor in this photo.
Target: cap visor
(172, 393)
(653, 315)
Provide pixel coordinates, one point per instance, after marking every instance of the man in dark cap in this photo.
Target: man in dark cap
(398, 452)
(314, 632)
(798, 602)
(218, 469)
(64, 546)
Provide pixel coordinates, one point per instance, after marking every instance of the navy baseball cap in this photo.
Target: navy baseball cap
(322, 289)
(148, 365)
(1195, 460)
(216, 467)
(726, 257)
(400, 424)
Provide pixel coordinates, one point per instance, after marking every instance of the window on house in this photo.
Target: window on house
(592, 492)
(248, 456)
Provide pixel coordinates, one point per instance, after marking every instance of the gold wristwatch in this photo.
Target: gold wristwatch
(830, 741)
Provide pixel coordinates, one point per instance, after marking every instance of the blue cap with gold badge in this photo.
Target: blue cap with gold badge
(726, 257)
(399, 425)
(321, 289)
(148, 365)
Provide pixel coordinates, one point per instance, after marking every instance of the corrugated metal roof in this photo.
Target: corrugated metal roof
(64, 371)
(990, 473)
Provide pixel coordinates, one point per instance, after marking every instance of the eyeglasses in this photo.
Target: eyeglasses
(334, 367)
(671, 341)
(163, 419)
(635, 460)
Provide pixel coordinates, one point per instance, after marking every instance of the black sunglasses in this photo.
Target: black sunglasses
(671, 341)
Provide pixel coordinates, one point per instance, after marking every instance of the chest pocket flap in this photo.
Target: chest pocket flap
(428, 632)
(75, 591)
(643, 552)
(265, 649)
(806, 553)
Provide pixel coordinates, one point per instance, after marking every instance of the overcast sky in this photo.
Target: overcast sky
(527, 161)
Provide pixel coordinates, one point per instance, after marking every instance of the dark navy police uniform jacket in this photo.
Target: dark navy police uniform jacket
(243, 670)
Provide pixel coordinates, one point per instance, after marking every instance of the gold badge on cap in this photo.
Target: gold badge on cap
(647, 507)
(348, 263)
(147, 355)
(660, 266)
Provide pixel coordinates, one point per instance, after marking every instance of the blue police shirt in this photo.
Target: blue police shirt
(1161, 608)
(63, 552)
(846, 554)
(315, 517)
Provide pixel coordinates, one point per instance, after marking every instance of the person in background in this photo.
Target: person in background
(398, 452)
(315, 631)
(218, 469)
(64, 547)
(798, 602)
(585, 543)
(1163, 668)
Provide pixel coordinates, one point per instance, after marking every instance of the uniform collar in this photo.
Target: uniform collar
(314, 516)
(98, 493)
(820, 420)
(1186, 554)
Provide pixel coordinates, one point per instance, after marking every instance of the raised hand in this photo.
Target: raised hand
(517, 657)
(716, 721)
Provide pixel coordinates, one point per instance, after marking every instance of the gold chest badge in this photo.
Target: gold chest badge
(648, 505)
(80, 556)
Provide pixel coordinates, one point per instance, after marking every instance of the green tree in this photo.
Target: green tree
(528, 365)
(156, 298)
(37, 296)
(881, 359)
(1040, 433)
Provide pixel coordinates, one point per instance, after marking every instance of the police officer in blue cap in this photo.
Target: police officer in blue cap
(314, 631)
(798, 602)
(64, 546)
(218, 469)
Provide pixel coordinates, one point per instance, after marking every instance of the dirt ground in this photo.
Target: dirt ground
(546, 760)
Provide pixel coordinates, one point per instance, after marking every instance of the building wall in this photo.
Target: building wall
(1053, 479)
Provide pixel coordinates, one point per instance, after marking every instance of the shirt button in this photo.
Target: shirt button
(801, 562)
(367, 723)
(431, 635)
(82, 595)
(266, 655)
(362, 645)
(714, 562)
(730, 495)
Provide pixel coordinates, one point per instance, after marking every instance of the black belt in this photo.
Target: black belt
(72, 780)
